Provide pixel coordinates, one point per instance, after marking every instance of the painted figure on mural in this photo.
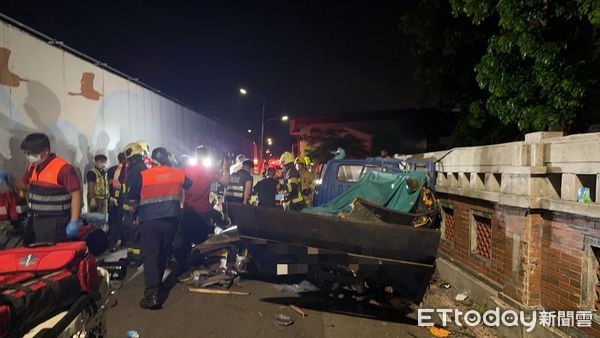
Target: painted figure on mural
(87, 87)
(7, 77)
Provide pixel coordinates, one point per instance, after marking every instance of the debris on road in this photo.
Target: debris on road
(299, 310)
(304, 286)
(439, 332)
(219, 292)
(283, 320)
(461, 297)
(445, 286)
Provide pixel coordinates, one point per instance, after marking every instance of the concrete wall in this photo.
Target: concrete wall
(87, 110)
(512, 220)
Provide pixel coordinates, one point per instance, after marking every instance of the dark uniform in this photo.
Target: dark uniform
(294, 199)
(128, 178)
(158, 191)
(114, 208)
(234, 190)
(49, 199)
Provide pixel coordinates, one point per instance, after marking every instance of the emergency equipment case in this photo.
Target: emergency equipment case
(39, 281)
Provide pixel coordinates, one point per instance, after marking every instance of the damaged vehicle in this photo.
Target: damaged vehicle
(382, 233)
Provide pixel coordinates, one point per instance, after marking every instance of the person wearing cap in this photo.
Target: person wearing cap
(97, 181)
(54, 193)
(157, 194)
(238, 164)
(197, 209)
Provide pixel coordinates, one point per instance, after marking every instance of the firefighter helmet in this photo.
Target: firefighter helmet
(132, 149)
(145, 147)
(286, 158)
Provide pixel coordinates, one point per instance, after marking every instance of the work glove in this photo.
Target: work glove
(5, 176)
(72, 229)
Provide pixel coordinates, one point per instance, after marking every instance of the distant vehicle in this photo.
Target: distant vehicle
(337, 176)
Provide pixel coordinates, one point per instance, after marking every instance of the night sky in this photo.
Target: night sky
(303, 57)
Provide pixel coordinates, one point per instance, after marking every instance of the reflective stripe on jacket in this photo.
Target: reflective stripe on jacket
(160, 195)
(46, 197)
(101, 187)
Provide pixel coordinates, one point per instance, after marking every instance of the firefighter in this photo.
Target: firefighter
(136, 163)
(292, 188)
(306, 178)
(54, 193)
(97, 181)
(157, 193)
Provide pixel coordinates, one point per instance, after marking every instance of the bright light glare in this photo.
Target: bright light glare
(284, 118)
(192, 161)
(207, 162)
(243, 91)
(249, 130)
(318, 181)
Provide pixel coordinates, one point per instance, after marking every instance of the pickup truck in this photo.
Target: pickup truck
(337, 176)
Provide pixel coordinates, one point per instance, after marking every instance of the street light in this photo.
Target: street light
(270, 141)
(284, 118)
(244, 92)
(249, 131)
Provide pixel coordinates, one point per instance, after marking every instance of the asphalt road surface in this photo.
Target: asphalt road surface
(186, 314)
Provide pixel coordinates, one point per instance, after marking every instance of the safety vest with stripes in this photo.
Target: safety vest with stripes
(160, 196)
(234, 190)
(46, 197)
(101, 187)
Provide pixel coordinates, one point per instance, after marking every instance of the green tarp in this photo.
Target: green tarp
(386, 189)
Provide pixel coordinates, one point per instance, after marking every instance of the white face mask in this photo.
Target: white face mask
(33, 158)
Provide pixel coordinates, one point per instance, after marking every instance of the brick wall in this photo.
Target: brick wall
(537, 259)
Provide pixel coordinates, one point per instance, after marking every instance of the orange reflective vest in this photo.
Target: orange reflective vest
(160, 195)
(46, 197)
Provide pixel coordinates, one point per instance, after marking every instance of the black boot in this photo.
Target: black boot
(150, 303)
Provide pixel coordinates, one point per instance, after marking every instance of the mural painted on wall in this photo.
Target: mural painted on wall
(87, 87)
(7, 77)
(105, 114)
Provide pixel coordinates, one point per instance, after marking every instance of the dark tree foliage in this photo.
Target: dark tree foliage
(532, 64)
(323, 143)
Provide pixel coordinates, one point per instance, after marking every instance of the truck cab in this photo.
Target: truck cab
(337, 176)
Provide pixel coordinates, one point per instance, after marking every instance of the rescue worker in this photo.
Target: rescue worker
(306, 179)
(157, 192)
(97, 181)
(136, 163)
(115, 202)
(267, 189)
(292, 188)
(197, 209)
(239, 188)
(238, 164)
(54, 193)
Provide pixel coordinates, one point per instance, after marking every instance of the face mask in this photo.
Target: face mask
(34, 158)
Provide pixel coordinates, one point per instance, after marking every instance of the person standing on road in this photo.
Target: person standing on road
(97, 181)
(54, 193)
(197, 209)
(267, 189)
(291, 187)
(115, 202)
(158, 192)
